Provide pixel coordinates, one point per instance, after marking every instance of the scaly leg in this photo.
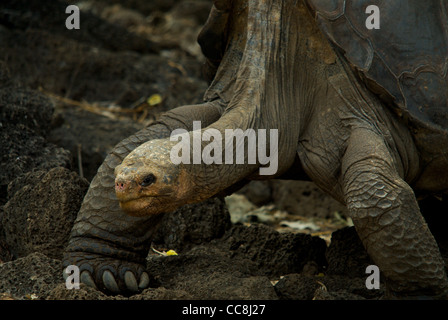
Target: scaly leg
(108, 246)
(388, 220)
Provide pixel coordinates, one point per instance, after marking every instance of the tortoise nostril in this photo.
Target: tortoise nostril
(120, 186)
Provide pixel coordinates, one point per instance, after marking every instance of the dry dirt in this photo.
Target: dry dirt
(67, 97)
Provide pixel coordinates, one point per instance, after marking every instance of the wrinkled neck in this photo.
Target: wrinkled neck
(260, 79)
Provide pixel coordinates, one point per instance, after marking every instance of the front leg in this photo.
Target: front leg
(388, 220)
(108, 246)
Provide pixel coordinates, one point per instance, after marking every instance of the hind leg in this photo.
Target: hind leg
(388, 220)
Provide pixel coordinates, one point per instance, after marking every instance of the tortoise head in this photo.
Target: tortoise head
(147, 182)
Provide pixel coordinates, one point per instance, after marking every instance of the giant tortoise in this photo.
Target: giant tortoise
(360, 111)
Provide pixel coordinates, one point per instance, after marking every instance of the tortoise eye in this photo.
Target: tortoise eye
(149, 179)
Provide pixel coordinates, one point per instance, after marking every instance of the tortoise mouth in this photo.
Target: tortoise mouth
(145, 205)
(127, 199)
(138, 195)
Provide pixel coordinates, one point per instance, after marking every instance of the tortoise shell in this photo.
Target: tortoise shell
(405, 61)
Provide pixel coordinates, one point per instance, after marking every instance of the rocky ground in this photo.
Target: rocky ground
(68, 96)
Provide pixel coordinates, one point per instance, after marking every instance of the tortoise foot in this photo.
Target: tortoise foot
(108, 274)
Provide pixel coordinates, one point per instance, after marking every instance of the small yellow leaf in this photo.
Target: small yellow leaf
(171, 253)
(155, 99)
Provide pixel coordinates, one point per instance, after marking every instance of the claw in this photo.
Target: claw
(144, 281)
(86, 278)
(109, 282)
(130, 281)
